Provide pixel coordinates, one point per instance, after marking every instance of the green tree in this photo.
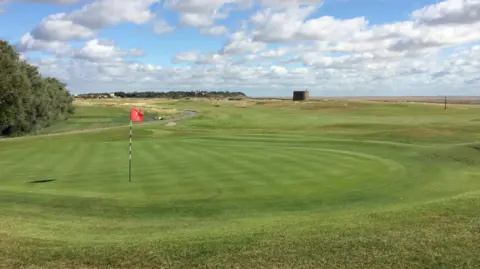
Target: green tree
(28, 102)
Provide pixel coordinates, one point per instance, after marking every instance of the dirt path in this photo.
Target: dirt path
(188, 114)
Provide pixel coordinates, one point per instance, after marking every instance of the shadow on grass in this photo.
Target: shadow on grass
(41, 181)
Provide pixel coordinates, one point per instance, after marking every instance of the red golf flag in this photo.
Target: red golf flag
(136, 114)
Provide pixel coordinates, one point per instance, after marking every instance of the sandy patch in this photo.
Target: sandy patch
(172, 123)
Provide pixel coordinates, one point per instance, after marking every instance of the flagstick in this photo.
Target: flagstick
(130, 157)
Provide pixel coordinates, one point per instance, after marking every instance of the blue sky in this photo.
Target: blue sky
(261, 47)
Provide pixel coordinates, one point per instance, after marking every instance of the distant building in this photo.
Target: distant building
(301, 95)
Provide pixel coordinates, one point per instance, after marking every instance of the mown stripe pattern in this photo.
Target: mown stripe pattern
(244, 195)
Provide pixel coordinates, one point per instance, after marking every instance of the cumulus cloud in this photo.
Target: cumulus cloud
(289, 3)
(283, 45)
(214, 30)
(54, 1)
(356, 34)
(196, 19)
(201, 59)
(103, 13)
(87, 21)
(212, 58)
(337, 76)
(239, 43)
(199, 12)
(59, 27)
(29, 43)
(162, 27)
(271, 26)
(449, 12)
(187, 56)
(103, 50)
(291, 25)
(274, 53)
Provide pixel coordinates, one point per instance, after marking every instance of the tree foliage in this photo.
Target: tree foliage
(169, 94)
(28, 101)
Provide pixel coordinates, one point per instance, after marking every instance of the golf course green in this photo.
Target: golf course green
(247, 184)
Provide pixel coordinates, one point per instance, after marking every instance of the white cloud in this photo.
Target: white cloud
(29, 43)
(271, 26)
(162, 27)
(436, 37)
(291, 25)
(198, 12)
(92, 50)
(280, 4)
(195, 6)
(194, 57)
(54, 1)
(103, 50)
(278, 70)
(240, 43)
(449, 12)
(60, 28)
(274, 53)
(196, 19)
(329, 28)
(212, 58)
(282, 46)
(87, 21)
(104, 13)
(187, 56)
(215, 30)
(344, 76)
(355, 34)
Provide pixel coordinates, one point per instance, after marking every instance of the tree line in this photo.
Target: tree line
(169, 94)
(28, 101)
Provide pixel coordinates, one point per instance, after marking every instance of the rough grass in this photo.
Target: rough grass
(99, 113)
(91, 116)
(248, 185)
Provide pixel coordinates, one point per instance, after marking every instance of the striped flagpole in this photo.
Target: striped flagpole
(130, 156)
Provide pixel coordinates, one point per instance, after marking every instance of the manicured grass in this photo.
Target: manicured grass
(251, 185)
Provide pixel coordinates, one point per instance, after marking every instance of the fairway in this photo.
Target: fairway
(249, 184)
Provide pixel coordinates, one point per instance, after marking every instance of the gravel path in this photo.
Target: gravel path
(188, 114)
